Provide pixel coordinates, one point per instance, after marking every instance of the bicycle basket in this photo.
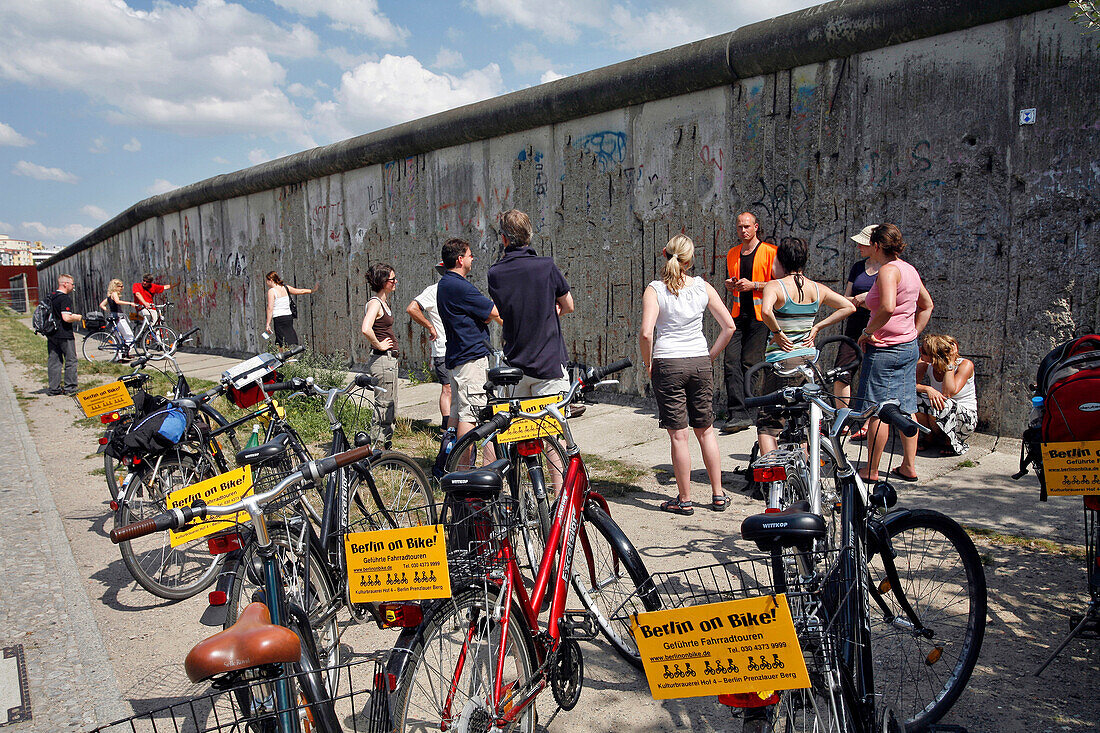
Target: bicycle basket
(360, 703)
(250, 394)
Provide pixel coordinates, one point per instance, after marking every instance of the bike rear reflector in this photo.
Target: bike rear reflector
(772, 510)
(1093, 502)
(400, 615)
(749, 699)
(221, 544)
(529, 447)
(104, 440)
(388, 679)
(114, 505)
(217, 598)
(109, 417)
(769, 473)
(885, 586)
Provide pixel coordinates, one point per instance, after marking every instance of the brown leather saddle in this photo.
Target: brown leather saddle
(251, 642)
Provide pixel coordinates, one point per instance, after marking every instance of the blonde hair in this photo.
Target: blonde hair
(938, 348)
(679, 252)
(115, 286)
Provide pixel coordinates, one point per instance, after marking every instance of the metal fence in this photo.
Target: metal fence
(18, 296)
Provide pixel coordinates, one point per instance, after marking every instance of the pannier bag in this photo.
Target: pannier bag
(159, 431)
(1068, 381)
(44, 320)
(95, 321)
(144, 404)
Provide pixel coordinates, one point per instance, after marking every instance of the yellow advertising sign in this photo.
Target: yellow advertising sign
(528, 429)
(748, 645)
(1072, 468)
(227, 488)
(99, 400)
(397, 564)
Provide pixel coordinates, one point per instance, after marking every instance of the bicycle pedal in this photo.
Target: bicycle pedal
(577, 625)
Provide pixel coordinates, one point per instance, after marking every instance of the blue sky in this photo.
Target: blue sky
(106, 102)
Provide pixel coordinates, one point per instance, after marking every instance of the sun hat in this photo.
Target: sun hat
(864, 236)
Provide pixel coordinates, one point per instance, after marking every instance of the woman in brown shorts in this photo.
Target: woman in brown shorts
(678, 362)
(378, 328)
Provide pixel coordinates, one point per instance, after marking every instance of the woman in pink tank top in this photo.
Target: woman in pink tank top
(900, 308)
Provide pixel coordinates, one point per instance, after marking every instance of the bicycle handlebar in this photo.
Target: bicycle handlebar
(891, 414)
(177, 518)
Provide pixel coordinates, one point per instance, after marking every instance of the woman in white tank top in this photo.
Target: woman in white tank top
(280, 318)
(678, 362)
(948, 404)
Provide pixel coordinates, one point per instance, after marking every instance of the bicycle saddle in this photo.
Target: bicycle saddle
(274, 447)
(251, 642)
(505, 376)
(485, 482)
(795, 526)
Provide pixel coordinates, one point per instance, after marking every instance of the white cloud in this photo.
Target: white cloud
(202, 68)
(8, 136)
(361, 16)
(397, 89)
(658, 29)
(257, 156)
(5, 226)
(345, 59)
(69, 232)
(95, 212)
(42, 173)
(526, 59)
(161, 186)
(561, 20)
(220, 160)
(448, 59)
(99, 145)
(550, 76)
(300, 90)
(133, 146)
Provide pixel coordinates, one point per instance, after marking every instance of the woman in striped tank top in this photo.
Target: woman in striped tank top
(790, 305)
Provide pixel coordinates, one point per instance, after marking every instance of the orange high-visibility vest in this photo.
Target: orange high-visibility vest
(762, 259)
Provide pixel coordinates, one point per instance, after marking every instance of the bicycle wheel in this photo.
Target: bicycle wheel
(942, 577)
(115, 471)
(169, 572)
(158, 342)
(102, 346)
(402, 486)
(612, 581)
(310, 588)
(449, 673)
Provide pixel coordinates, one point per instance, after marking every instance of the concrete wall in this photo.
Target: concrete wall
(1001, 219)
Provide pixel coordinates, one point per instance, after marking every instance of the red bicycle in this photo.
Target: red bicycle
(477, 661)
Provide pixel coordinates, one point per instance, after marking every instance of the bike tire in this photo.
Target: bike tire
(158, 342)
(167, 572)
(942, 577)
(431, 660)
(612, 581)
(317, 596)
(101, 346)
(115, 471)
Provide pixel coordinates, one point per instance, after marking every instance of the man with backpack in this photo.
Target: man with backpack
(60, 342)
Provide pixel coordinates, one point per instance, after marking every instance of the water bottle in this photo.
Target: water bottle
(1036, 416)
(254, 439)
(445, 447)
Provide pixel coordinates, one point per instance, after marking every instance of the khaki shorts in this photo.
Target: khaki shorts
(535, 387)
(468, 389)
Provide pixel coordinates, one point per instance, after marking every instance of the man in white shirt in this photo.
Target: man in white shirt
(423, 310)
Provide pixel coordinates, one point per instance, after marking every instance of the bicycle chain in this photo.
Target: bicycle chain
(567, 674)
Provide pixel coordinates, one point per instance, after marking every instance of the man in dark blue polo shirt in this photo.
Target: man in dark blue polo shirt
(531, 293)
(466, 314)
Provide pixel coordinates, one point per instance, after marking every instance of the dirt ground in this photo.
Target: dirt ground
(1032, 591)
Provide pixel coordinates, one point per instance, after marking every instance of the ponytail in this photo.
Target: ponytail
(679, 253)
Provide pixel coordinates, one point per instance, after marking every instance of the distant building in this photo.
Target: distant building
(23, 252)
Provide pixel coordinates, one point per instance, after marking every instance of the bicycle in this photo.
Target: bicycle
(479, 659)
(156, 342)
(266, 669)
(928, 612)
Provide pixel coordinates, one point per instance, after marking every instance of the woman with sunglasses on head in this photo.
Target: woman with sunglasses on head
(377, 326)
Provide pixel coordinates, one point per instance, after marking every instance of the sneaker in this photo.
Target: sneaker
(736, 425)
(576, 410)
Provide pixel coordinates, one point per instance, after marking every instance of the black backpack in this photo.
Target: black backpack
(44, 321)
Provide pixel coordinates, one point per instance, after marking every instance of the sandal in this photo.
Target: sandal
(676, 506)
(860, 434)
(718, 503)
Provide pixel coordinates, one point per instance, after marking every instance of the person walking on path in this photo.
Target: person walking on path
(790, 306)
(749, 265)
(466, 313)
(531, 295)
(948, 404)
(113, 305)
(280, 315)
(900, 308)
(144, 293)
(61, 345)
(424, 310)
(860, 279)
(377, 326)
(677, 360)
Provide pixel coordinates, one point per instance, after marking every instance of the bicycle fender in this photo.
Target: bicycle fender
(597, 498)
(874, 544)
